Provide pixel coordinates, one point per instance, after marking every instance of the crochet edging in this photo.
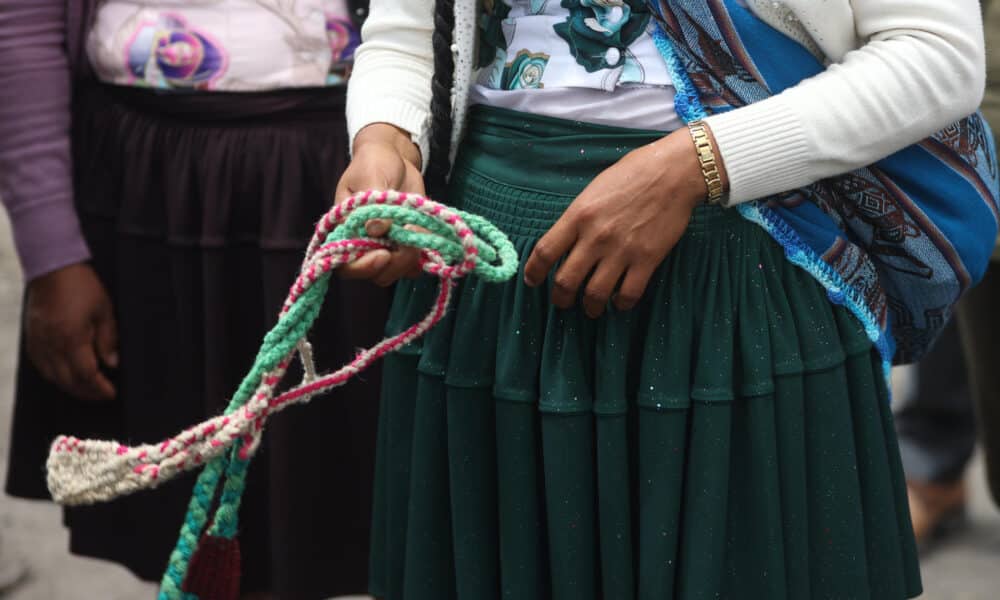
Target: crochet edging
(689, 107)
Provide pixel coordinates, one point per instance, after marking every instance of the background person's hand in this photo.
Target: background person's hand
(621, 227)
(70, 331)
(384, 158)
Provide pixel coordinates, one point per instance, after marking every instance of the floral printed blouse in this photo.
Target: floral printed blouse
(573, 59)
(223, 45)
(568, 43)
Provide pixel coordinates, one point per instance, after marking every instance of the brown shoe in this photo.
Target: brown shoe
(936, 509)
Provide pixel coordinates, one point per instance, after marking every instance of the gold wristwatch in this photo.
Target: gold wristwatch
(709, 166)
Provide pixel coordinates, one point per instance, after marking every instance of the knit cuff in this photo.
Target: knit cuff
(390, 88)
(48, 237)
(400, 114)
(764, 149)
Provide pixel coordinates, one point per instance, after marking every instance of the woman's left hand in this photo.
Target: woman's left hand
(621, 227)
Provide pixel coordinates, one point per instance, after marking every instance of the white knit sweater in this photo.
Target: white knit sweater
(899, 70)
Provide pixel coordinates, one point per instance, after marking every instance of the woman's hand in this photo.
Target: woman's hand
(70, 331)
(384, 158)
(621, 227)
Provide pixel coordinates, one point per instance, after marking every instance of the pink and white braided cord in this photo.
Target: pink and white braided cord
(88, 471)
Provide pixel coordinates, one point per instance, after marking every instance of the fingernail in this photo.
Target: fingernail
(381, 260)
(376, 228)
(529, 281)
(112, 360)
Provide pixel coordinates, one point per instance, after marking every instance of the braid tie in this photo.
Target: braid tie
(455, 245)
(442, 123)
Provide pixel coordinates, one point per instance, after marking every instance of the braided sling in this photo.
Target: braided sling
(205, 563)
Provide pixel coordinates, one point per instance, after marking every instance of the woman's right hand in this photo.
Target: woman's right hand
(385, 158)
(70, 330)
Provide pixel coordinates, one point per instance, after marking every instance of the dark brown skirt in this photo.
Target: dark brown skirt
(197, 210)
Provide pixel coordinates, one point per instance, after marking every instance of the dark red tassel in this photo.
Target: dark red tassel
(214, 573)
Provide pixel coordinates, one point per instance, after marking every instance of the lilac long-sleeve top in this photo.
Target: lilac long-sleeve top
(40, 55)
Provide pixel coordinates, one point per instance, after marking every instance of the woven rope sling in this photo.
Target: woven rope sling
(205, 564)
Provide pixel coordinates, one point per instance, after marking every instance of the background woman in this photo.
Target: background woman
(163, 163)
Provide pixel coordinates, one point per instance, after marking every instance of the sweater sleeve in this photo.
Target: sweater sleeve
(922, 67)
(393, 67)
(35, 166)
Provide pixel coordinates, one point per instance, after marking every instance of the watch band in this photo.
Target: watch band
(709, 165)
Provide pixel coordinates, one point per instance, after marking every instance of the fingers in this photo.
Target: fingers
(600, 287)
(378, 227)
(570, 276)
(381, 168)
(50, 369)
(633, 286)
(385, 267)
(106, 339)
(74, 369)
(549, 249)
(405, 262)
(62, 375)
(368, 266)
(71, 362)
(87, 381)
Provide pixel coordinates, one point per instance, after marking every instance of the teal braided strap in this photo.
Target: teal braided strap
(454, 244)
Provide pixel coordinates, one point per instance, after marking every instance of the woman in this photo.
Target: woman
(206, 139)
(684, 396)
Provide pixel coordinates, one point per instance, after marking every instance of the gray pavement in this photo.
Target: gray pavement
(965, 568)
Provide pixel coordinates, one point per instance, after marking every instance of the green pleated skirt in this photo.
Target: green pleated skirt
(728, 438)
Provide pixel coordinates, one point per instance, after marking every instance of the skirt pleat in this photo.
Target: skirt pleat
(523, 554)
(197, 209)
(426, 546)
(728, 438)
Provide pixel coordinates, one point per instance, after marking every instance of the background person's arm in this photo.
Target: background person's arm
(36, 183)
(69, 326)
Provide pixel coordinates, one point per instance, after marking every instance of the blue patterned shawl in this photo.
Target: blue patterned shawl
(896, 242)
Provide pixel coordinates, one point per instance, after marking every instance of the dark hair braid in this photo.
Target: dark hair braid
(438, 164)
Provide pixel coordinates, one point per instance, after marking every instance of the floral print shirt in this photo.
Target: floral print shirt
(599, 44)
(586, 60)
(223, 45)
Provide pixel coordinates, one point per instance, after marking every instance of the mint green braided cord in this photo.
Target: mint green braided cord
(497, 262)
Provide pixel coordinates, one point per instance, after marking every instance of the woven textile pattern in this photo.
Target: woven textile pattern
(897, 242)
